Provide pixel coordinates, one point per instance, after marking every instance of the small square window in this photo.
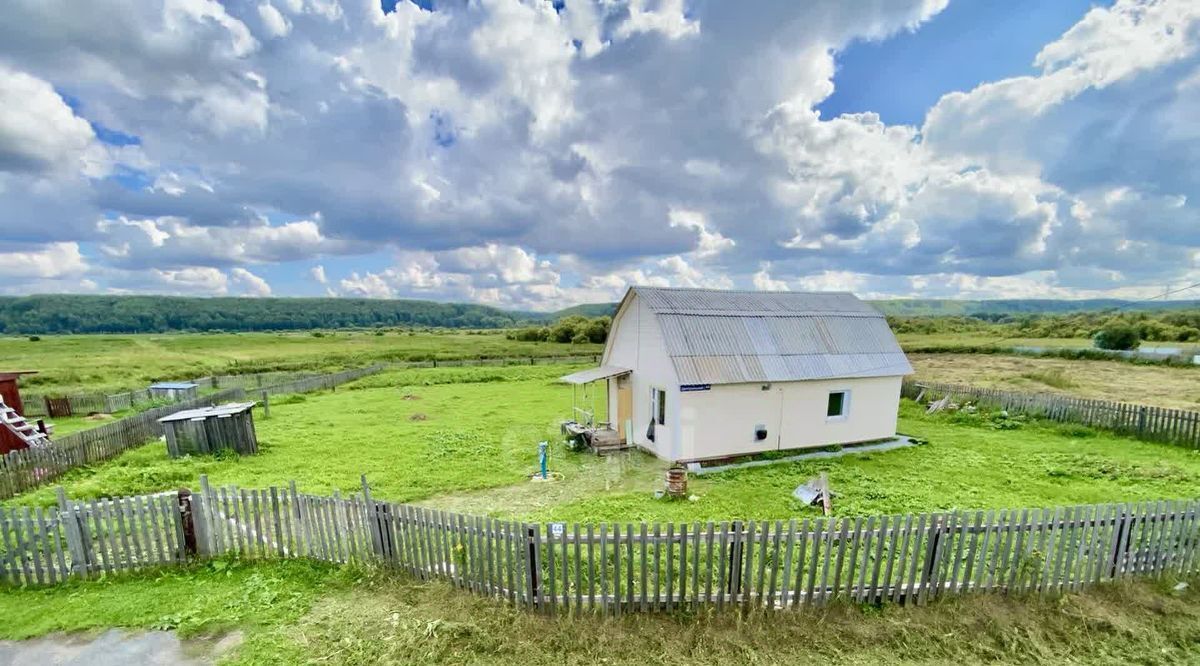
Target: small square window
(658, 406)
(837, 404)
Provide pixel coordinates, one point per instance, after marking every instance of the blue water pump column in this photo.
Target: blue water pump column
(543, 455)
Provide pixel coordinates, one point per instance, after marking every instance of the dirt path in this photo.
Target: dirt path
(115, 648)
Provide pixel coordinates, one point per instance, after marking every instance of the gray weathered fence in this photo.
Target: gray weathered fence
(501, 361)
(30, 468)
(25, 469)
(277, 382)
(1156, 424)
(614, 568)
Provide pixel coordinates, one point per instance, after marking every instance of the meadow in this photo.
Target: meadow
(298, 612)
(466, 439)
(110, 363)
(1151, 384)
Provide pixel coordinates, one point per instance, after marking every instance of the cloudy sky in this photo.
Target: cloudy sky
(538, 154)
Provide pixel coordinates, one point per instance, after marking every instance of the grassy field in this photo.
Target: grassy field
(1159, 385)
(307, 613)
(984, 339)
(68, 363)
(466, 439)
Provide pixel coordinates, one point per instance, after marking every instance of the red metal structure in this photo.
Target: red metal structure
(10, 391)
(15, 432)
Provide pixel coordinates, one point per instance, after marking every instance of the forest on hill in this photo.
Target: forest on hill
(160, 314)
(1169, 321)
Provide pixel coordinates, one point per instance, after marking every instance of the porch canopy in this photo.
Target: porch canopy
(595, 374)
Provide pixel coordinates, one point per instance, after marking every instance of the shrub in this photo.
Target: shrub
(35, 338)
(1118, 336)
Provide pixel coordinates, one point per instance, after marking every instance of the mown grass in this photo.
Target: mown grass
(307, 613)
(475, 445)
(1159, 385)
(67, 363)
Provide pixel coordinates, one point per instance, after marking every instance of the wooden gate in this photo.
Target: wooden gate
(56, 407)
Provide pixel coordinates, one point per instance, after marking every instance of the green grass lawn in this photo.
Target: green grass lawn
(466, 439)
(307, 613)
(73, 363)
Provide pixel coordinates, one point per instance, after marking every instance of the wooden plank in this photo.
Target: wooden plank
(874, 594)
(867, 537)
(822, 594)
(1052, 542)
(630, 591)
(1014, 561)
(974, 528)
(763, 536)
(51, 526)
(917, 560)
(604, 595)
(591, 566)
(722, 570)
(747, 554)
(551, 574)
(775, 564)
(100, 542)
(534, 572)
(8, 531)
(566, 575)
(670, 591)
(32, 549)
(836, 583)
(894, 556)
(644, 580)
(657, 566)
(708, 578)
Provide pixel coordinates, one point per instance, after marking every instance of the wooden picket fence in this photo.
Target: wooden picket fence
(614, 568)
(25, 469)
(1156, 424)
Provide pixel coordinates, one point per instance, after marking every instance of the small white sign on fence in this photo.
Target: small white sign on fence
(557, 529)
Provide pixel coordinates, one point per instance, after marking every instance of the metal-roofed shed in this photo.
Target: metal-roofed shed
(174, 391)
(211, 429)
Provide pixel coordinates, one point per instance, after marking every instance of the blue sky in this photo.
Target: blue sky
(535, 154)
(964, 45)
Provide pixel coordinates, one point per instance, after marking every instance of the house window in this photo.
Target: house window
(839, 403)
(658, 406)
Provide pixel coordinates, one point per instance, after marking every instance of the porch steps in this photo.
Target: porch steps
(24, 430)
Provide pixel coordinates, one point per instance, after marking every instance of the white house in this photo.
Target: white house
(697, 374)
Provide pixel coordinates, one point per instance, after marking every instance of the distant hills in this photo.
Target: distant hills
(27, 315)
(949, 307)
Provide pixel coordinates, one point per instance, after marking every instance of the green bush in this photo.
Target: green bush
(1118, 336)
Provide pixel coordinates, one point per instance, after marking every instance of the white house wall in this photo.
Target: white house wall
(720, 422)
(637, 342)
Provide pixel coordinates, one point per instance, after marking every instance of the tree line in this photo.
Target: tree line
(1112, 329)
(160, 314)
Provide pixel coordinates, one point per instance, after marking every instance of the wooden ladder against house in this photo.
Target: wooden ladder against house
(24, 430)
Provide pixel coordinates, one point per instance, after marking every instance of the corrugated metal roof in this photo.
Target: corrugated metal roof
(173, 385)
(727, 337)
(218, 411)
(594, 374)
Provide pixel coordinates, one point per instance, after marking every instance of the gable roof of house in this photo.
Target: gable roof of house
(730, 337)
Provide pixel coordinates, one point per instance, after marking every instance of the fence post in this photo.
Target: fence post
(188, 521)
(1141, 423)
(206, 544)
(533, 563)
(75, 542)
(373, 520)
(266, 401)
